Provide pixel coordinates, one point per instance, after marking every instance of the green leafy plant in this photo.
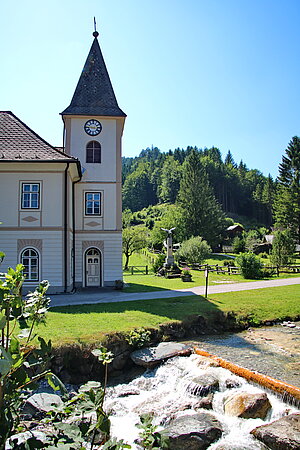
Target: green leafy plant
(228, 262)
(72, 424)
(193, 251)
(115, 444)
(186, 271)
(150, 438)
(283, 248)
(159, 262)
(238, 244)
(250, 265)
(2, 256)
(22, 364)
(138, 338)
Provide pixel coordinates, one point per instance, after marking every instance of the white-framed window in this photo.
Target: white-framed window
(93, 203)
(30, 261)
(30, 198)
(93, 152)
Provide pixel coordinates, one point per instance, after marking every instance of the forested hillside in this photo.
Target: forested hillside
(154, 178)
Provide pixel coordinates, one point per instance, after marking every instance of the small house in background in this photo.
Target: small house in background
(234, 230)
(265, 246)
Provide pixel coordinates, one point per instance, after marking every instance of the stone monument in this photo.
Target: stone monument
(169, 246)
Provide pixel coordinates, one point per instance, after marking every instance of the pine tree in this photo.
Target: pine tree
(202, 213)
(229, 161)
(287, 203)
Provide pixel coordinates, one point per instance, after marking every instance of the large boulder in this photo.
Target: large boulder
(203, 385)
(152, 356)
(282, 434)
(247, 406)
(41, 403)
(193, 432)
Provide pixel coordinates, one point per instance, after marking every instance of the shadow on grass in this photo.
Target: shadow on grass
(172, 308)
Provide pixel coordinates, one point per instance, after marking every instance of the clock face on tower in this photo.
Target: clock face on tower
(92, 127)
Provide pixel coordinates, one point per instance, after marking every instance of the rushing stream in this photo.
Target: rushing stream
(164, 392)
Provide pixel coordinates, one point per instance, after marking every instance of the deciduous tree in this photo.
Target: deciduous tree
(134, 239)
(283, 247)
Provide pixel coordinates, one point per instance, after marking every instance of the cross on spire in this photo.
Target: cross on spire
(95, 34)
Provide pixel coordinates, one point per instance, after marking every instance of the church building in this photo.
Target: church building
(61, 208)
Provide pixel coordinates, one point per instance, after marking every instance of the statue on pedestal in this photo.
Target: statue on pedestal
(169, 246)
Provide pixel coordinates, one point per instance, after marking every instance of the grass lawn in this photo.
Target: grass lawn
(139, 282)
(89, 323)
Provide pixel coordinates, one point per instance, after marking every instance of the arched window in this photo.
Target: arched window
(30, 261)
(93, 152)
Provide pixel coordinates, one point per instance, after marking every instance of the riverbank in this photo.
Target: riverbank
(271, 350)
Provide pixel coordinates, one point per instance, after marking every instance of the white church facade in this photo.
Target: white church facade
(61, 209)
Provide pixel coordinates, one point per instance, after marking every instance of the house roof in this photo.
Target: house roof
(268, 238)
(234, 228)
(19, 143)
(94, 94)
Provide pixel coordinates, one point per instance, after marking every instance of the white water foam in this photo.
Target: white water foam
(163, 392)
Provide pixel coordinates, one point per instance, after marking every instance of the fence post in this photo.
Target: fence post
(131, 270)
(146, 270)
(277, 269)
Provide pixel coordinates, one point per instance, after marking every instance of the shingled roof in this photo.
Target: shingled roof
(19, 143)
(94, 94)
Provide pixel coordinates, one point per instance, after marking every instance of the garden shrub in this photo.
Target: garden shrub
(228, 262)
(264, 255)
(194, 251)
(250, 265)
(138, 338)
(159, 262)
(267, 273)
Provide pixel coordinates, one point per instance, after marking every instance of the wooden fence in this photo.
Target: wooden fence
(138, 269)
(233, 270)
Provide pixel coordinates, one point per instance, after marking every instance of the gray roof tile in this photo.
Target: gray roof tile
(19, 142)
(94, 94)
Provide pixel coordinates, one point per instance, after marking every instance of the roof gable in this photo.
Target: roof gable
(19, 143)
(94, 94)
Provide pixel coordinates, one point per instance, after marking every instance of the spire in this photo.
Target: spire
(94, 94)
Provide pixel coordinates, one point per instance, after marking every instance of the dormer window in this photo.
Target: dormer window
(93, 152)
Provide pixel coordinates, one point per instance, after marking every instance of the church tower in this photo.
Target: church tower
(93, 124)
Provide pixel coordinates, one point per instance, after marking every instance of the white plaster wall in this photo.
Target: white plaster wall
(51, 195)
(106, 170)
(51, 260)
(111, 257)
(109, 204)
(9, 198)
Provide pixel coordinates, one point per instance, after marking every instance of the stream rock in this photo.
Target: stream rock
(152, 356)
(203, 385)
(41, 403)
(282, 434)
(193, 432)
(205, 402)
(247, 406)
(253, 446)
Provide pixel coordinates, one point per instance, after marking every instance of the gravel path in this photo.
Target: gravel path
(112, 296)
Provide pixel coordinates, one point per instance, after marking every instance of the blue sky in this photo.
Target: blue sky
(194, 72)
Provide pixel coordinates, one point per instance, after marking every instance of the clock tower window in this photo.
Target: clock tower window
(93, 152)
